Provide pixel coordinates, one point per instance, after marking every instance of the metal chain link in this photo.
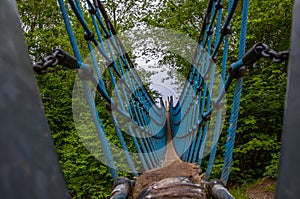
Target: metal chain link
(277, 57)
(52, 60)
(260, 50)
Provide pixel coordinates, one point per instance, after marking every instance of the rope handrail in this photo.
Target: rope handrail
(196, 120)
(190, 117)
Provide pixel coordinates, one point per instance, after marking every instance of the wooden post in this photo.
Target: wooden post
(289, 169)
(29, 167)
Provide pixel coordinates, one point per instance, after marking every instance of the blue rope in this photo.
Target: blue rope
(69, 29)
(145, 121)
(191, 142)
(100, 130)
(155, 132)
(237, 97)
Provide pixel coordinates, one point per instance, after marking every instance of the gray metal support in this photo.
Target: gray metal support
(288, 186)
(29, 167)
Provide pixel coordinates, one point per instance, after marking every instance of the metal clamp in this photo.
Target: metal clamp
(217, 190)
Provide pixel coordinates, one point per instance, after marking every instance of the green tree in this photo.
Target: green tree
(44, 30)
(262, 103)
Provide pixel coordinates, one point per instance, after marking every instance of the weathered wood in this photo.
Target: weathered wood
(166, 186)
(289, 175)
(29, 166)
(176, 169)
(178, 187)
(122, 188)
(171, 155)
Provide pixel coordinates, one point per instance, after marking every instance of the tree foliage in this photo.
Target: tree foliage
(44, 30)
(262, 105)
(261, 116)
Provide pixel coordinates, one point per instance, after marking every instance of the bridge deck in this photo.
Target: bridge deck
(171, 155)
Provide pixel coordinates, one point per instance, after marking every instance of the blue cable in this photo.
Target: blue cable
(146, 121)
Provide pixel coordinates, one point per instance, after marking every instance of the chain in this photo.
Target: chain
(266, 52)
(52, 60)
(260, 50)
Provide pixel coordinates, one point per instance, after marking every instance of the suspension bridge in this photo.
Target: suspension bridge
(171, 140)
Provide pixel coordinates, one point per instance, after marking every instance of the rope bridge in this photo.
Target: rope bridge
(193, 124)
(190, 126)
(144, 119)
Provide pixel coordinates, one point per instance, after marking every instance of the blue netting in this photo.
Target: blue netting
(197, 118)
